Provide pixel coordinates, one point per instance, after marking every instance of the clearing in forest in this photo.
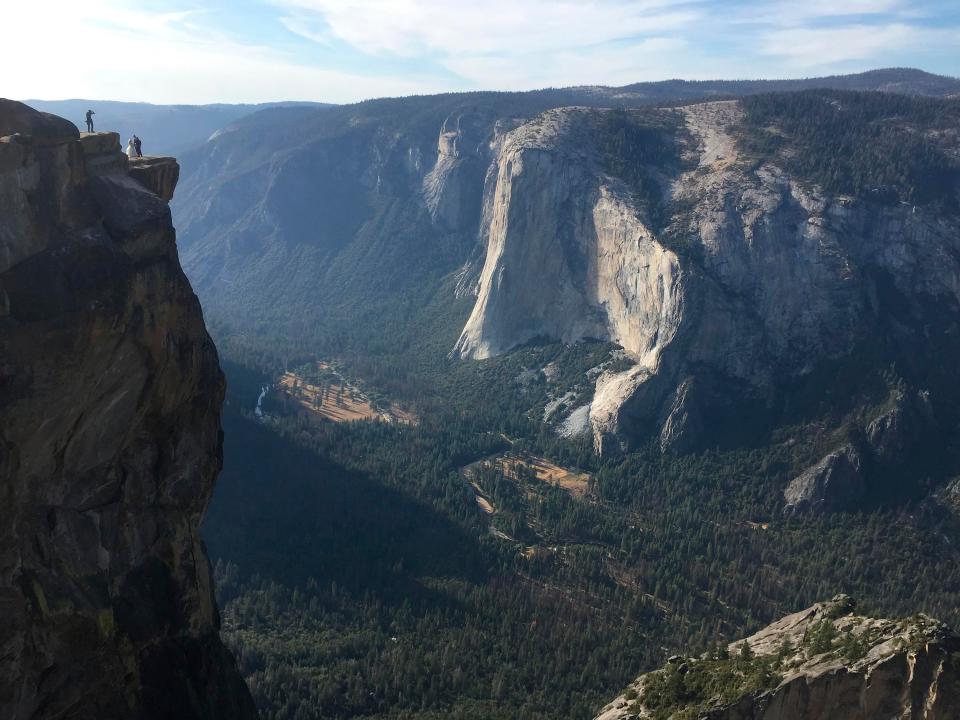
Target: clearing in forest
(517, 466)
(336, 399)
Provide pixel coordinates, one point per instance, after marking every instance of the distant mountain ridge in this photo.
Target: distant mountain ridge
(909, 81)
(165, 129)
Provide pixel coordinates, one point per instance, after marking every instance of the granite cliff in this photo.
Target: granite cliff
(110, 441)
(732, 278)
(823, 663)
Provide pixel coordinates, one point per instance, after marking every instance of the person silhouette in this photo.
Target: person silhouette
(90, 114)
(136, 145)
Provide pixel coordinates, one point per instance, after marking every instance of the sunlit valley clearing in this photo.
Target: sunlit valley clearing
(324, 394)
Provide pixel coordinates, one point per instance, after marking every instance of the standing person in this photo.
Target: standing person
(90, 114)
(136, 144)
(131, 148)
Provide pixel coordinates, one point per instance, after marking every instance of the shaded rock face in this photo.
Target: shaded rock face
(896, 432)
(836, 482)
(110, 394)
(844, 477)
(768, 279)
(871, 668)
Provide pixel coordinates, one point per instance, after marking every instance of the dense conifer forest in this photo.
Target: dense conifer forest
(881, 146)
(358, 578)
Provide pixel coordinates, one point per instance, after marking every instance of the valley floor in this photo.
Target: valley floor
(461, 567)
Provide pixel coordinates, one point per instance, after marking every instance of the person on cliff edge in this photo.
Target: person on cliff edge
(90, 114)
(136, 146)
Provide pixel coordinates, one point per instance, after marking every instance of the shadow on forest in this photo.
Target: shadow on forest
(288, 515)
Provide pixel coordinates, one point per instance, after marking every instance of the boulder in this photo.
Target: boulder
(39, 127)
(100, 143)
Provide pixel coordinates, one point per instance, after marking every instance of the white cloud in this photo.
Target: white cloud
(799, 12)
(809, 48)
(106, 49)
(506, 44)
(449, 29)
(114, 49)
(578, 66)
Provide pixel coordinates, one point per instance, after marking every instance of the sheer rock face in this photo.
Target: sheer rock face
(110, 394)
(567, 255)
(775, 277)
(905, 669)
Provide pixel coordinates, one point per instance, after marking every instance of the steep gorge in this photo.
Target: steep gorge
(110, 441)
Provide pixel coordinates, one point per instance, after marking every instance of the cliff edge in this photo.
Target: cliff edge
(110, 441)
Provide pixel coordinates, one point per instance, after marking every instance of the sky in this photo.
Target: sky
(205, 51)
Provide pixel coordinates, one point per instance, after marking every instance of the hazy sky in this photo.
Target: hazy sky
(200, 51)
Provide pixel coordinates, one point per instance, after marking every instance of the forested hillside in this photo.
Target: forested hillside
(887, 147)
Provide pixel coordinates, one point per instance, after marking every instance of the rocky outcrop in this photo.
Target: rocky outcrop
(835, 483)
(158, 174)
(844, 477)
(453, 189)
(824, 663)
(950, 496)
(895, 433)
(754, 280)
(110, 394)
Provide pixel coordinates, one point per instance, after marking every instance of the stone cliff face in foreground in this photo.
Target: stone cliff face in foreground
(110, 394)
(753, 280)
(824, 663)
